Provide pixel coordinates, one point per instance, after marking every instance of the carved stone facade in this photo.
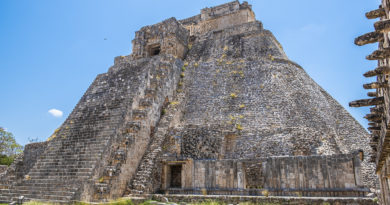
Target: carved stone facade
(210, 98)
(379, 118)
(279, 176)
(167, 37)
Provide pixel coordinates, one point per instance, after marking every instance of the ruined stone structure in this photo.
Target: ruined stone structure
(210, 104)
(379, 118)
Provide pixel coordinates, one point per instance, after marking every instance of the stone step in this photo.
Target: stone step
(51, 201)
(64, 165)
(91, 141)
(46, 187)
(52, 170)
(70, 166)
(62, 175)
(150, 93)
(55, 179)
(71, 157)
(43, 197)
(65, 161)
(140, 114)
(133, 127)
(37, 191)
(145, 102)
(73, 147)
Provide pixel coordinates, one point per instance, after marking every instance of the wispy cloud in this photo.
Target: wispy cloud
(56, 113)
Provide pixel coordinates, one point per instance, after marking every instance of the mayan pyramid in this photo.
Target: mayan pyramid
(206, 104)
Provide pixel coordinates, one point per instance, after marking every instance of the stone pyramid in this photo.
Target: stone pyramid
(215, 87)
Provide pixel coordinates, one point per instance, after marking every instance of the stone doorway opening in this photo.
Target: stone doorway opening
(154, 49)
(175, 176)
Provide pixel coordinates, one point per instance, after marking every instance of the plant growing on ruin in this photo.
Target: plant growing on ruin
(204, 191)
(239, 127)
(265, 193)
(101, 179)
(225, 48)
(163, 112)
(183, 68)
(233, 95)
(173, 103)
(241, 106)
(182, 75)
(196, 65)
(185, 64)
(271, 57)
(189, 46)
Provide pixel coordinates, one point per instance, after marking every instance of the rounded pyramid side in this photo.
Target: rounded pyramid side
(245, 99)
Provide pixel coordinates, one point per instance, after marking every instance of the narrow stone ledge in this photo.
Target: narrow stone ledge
(375, 85)
(368, 38)
(378, 71)
(379, 54)
(367, 102)
(376, 13)
(382, 26)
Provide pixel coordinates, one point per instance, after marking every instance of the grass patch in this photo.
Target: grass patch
(208, 203)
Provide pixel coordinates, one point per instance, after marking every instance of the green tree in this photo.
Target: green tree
(9, 148)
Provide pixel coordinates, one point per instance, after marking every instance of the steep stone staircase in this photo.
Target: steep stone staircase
(140, 122)
(108, 133)
(57, 175)
(136, 133)
(142, 180)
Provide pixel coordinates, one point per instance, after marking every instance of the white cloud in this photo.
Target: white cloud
(56, 113)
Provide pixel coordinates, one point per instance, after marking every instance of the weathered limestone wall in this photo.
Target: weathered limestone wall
(228, 199)
(24, 162)
(246, 99)
(335, 175)
(169, 37)
(3, 168)
(219, 17)
(31, 154)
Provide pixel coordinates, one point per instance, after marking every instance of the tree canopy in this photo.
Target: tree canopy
(9, 148)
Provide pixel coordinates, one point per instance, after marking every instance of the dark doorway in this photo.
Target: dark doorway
(154, 50)
(176, 176)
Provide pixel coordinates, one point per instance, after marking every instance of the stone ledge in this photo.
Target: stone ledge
(235, 199)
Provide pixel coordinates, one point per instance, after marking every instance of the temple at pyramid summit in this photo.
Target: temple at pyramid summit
(208, 105)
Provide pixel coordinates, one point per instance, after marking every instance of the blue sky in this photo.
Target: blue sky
(51, 50)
